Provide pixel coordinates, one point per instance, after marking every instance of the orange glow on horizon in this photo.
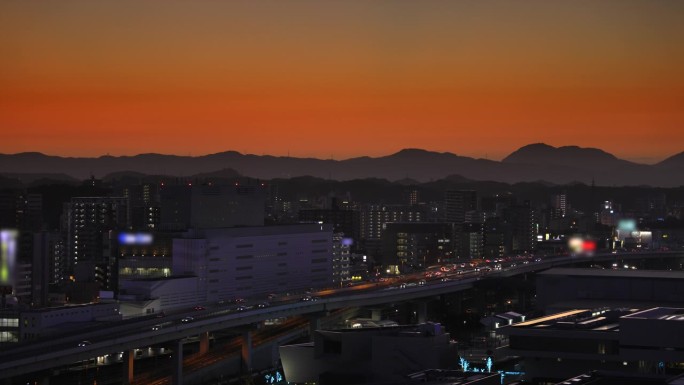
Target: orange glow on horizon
(341, 79)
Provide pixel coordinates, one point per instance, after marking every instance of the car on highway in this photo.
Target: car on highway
(263, 305)
(242, 308)
(156, 327)
(306, 298)
(187, 319)
(84, 343)
(199, 308)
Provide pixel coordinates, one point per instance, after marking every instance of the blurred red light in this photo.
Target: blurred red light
(589, 246)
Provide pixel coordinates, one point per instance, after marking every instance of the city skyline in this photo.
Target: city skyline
(342, 79)
(342, 192)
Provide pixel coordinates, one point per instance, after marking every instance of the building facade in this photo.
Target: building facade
(242, 262)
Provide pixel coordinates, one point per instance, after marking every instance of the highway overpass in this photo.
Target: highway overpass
(59, 351)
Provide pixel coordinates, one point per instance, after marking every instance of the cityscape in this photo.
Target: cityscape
(341, 193)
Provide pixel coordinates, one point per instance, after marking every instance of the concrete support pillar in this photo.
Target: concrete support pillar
(246, 352)
(203, 343)
(376, 314)
(521, 300)
(177, 357)
(458, 302)
(314, 324)
(421, 309)
(275, 354)
(128, 358)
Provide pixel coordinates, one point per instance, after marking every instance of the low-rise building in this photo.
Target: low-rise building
(625, 340)
(369, 355)
(37, 323)
(560, 289)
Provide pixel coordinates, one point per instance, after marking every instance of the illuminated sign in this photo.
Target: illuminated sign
(575, 244)
(135, 238)
(627, 225)
(347, 241)
(579, 245)
(642, 237)
(274, 378)
(8, 254)
(465, 365)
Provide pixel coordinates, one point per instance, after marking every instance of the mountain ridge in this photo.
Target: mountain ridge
(534, 162)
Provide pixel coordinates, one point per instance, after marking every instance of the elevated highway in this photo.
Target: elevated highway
(59, 351)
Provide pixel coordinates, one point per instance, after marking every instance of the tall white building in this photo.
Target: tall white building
(341, 271)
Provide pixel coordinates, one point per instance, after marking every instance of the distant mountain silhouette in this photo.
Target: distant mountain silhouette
(226, 173)
(532, 163)
(675, 161)
(31, 178)
(572, 156)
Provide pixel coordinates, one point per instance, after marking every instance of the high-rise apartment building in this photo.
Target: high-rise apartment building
(417, 245)
(375, 217)
(88, 219)
(523, 227)
(340, 259)
(559, 204)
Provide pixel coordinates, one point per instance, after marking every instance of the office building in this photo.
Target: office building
(417, 245)
(496, 238)
(143, 206)
(243, 262)
(523, 227)
(342, 220)
(175, 206)
(138, 255)
(470, 240)
(210, 205)
(458, 204)
(219, 265)
(227, 206)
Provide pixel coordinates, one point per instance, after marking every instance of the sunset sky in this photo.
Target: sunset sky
(341, 78)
